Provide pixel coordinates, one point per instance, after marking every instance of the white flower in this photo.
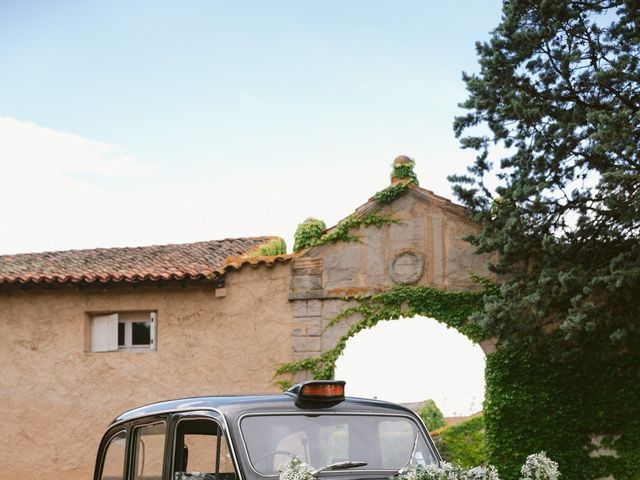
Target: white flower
(482, 473)
(445, 471)
(539, 467)
(295, 469)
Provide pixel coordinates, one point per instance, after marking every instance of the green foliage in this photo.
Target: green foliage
(392, 192)
(431, 415)
(312, 232)
(451, 308)
(404, 171)
(558, 92)
(284, 385)
(403, 177)
(341, 231)
(463, 444)
(531, 404)
(558, 89)
(277, 246)
(307, 233)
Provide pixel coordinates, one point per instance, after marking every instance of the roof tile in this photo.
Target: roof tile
(158, 262)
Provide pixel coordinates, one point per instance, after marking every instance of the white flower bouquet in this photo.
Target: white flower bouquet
(537, 467)
(295, 469)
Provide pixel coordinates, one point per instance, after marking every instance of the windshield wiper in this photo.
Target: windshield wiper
(413, 452)
(339, 466)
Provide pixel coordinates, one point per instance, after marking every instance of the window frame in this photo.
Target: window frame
(128, 331)
(104, 448)
(132, 439)
(103, 331)
(200, 415)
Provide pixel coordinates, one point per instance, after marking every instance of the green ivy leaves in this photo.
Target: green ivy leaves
(308, 233)
(404, 301)
(312, 232)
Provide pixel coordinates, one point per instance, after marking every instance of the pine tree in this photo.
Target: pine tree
(558, 98)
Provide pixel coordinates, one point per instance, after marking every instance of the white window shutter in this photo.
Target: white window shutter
(113, 332)
(104, 333)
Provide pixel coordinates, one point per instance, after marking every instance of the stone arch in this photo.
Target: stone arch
(381, 361)
(420, 246)
(403, 253)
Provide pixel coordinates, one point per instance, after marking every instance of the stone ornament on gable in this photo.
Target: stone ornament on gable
(407, 267)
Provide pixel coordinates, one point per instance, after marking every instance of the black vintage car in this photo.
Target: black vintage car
(251, 437)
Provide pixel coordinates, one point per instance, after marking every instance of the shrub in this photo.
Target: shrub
(464, 443)
(431, 415)
(307, 233)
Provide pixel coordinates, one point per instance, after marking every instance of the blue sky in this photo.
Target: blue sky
(272, 101)
(135, 123)
(260, 80)
(268, 101)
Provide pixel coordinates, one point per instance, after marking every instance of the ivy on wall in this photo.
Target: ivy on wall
(582, 411)
(451, 308)
(402, 177)
(310, 234)
(532, 403)
(403, 170)
(463, 443)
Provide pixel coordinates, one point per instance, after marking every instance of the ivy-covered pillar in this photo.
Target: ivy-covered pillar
(582, 411)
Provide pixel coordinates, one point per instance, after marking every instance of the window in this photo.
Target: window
(131, 331)
(201, 451)
(113, 462)
(397, 437)
(149, 451)
(384, 442)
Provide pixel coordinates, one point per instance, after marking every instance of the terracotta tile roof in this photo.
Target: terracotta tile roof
(236, 263)
(192, 261)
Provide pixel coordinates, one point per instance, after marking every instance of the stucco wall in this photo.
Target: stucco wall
(57, 398)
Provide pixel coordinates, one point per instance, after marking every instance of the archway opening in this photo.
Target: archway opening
(414, 359)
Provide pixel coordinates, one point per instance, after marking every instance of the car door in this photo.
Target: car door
(110, 462)
(201, 449)
(148, 445)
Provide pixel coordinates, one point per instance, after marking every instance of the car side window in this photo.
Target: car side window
(201, 451)
(149, 451)
(113, 460)
(397, 438)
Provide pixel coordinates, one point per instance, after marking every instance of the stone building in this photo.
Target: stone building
(86, 334)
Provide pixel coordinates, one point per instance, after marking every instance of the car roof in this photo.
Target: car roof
(234, 405)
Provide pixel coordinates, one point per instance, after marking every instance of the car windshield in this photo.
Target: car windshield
(383, 442)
